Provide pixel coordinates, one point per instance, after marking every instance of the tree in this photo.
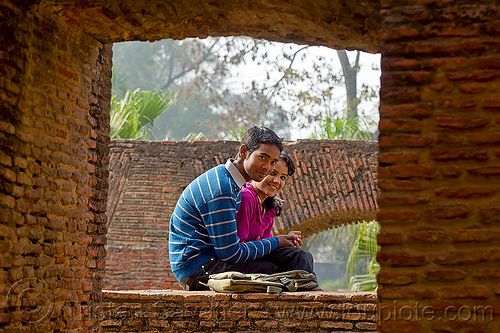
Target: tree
(299, 84)
(198, 71)
(131, 114)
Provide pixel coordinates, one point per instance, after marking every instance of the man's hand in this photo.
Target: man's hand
(298, 240)
(287, 240)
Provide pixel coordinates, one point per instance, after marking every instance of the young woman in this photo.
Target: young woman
(259, 206)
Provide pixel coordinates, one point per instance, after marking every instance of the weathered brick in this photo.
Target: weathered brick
(461, 122)
(485, 138)
(489, 215)
(454, 155)
(408, 171)
(390, 238)
(438, 274)
(396, 278)
(398, 216)
(452, 171)
(408, 140)
(398, 157)
(428, 235)
(487, 171)
(401, 259)
(465, 192)
(399, 185)
(449, 64)
(417, 110)
(474, 235)
(446, 212)
(387, 200)
(462, 257)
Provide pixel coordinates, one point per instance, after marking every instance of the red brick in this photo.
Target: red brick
(489, 215)
(446, 212)
(457, 104)
(390, 238)
(462, 257)
(479, 75)
(398, 33)
(474, 235)
(396, 278)
(451, 139)
(465, 192)
(407, 78)
(492, 103)
(438, 274)
(417, 110)
(408, 140)
(461, 122)
(452, 171)
(428, 236)
(387, 200)
(401, 292)
(485, 138)
(487, 171)
(491, 62)
(452, 30)
(398, 216)
(401, 185)
(391, 95)
(408, 171)
(453, 155)
(449, 64)
(389, 64)
(400, 126)
(401, 259)
(473, 88)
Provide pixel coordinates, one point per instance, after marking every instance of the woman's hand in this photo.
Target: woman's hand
(298, 238)
(287, 240)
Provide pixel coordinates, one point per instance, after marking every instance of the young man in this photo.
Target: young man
(203, 236)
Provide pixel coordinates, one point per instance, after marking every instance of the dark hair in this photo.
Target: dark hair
(255, 136)
(272, 202)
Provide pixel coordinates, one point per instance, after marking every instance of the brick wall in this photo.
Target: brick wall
(439, 166)
(335, 184)
(438, 163)
(54, 99)
(157, 311)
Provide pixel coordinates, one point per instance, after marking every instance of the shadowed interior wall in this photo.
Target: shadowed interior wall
(439, 166)
(334, 184)
(54, 107)
(438, 163)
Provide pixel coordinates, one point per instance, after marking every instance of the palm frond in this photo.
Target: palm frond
(138, 108)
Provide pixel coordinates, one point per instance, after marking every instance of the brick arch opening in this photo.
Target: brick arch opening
(438, 161)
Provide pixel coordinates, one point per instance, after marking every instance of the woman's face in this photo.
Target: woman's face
(274, 182)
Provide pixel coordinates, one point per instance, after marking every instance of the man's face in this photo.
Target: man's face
(261, 161)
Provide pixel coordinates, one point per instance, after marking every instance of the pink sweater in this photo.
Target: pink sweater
(250, 222)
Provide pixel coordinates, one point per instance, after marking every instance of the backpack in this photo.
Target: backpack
(236, 282)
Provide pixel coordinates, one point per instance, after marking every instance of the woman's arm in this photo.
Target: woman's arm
(245, 214)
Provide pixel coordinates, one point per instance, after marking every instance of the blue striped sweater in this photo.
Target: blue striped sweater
(203, 225)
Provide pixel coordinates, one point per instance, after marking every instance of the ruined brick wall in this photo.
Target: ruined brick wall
(335, 184)
(158, 311)
(54, 101)
(439, 166)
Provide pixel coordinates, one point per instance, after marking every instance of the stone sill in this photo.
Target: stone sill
(177, 295)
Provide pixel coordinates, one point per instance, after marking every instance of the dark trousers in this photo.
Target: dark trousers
(280, 260)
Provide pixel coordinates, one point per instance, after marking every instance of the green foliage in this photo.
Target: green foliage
(362, 266)
(334, 285)
(341, 128)
(131, 114)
